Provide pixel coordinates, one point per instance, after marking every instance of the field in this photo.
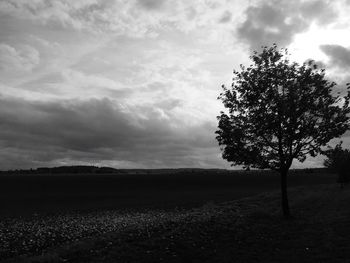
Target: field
(22, 195)
(153, 217)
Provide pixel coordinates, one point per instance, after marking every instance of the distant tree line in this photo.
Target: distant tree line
(86, 169)
(76, 169)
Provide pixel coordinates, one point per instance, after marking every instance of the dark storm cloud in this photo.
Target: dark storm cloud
(40, 133)
(278, 21)
(339, 55)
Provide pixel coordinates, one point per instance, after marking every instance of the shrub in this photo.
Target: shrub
(338, 161)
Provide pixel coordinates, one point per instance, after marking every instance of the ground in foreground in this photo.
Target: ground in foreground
(246, 230)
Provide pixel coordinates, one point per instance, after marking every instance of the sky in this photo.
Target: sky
(134, 83)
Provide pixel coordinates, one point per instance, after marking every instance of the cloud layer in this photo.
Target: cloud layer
(279, 21)
(339, 55)
(24, 58)
(95, 130)
(134, 83)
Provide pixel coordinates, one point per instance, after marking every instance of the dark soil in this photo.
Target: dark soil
(246, 230)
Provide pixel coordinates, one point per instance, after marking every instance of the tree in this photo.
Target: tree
(278, 111)
(338, 161)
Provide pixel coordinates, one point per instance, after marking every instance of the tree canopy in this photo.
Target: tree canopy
(278, 111)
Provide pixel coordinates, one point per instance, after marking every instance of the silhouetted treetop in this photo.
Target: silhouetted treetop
(277, 111)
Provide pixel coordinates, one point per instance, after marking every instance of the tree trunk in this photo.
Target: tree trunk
(285, 204)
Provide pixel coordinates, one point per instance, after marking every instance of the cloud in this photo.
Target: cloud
(76, 82)
(99, 131)
(226, 17)
(119, 17)
(320, 11)
(23, 58)
(151, 4)
(278, 21)
(339, 55)
(338, 66)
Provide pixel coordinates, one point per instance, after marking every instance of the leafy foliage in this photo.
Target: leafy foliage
(279, 111)
(338, 160)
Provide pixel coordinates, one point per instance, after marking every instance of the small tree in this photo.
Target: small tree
(338, 161)
(278, 111)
